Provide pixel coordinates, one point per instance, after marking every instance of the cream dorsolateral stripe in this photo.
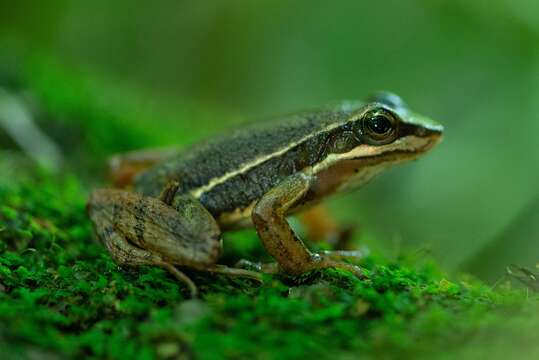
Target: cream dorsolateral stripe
(361, 151)
(408, 143)
(197, 193)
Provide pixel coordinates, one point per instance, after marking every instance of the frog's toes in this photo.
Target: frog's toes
(330, 260)
(266, 268)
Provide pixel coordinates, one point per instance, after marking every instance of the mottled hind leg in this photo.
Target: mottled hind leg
(277, 236)
(139, 230)
(173, 230)
(124, 253)
(168, 196)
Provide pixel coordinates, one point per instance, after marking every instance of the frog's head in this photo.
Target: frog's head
(375, 136)
(391, 133)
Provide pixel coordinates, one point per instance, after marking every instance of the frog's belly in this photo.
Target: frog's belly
(236, 219)
(241, 218)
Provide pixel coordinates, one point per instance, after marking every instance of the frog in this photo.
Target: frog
(174, 205)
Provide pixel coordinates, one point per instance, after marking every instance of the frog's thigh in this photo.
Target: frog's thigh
(183, 234)
(277, 236)
(125, 253)
(122, 251)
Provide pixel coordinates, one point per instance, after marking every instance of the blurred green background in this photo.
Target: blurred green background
(472, 65)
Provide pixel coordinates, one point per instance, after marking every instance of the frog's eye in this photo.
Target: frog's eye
(380, 126)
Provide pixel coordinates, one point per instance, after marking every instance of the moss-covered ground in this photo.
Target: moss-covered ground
(61, 296)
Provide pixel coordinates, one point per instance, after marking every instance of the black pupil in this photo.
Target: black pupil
(379, 124)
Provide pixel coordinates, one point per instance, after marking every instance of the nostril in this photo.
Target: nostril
(421, 132)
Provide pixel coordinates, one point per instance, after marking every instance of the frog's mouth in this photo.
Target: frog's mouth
(347, 171)
(405, 148)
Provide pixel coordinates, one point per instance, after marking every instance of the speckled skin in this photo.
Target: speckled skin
(197, 165)
(256, 176)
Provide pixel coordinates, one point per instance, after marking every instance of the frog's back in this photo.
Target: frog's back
(233, 170)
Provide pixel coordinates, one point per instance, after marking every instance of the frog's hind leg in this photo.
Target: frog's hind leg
(127, 254)
(139, 230)
(273, 267)
(235, 271)
(123, 168)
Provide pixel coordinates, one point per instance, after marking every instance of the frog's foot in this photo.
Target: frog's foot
(333, 259)
(323, 260)
(237, 271)
(271, 268)
(214, 269)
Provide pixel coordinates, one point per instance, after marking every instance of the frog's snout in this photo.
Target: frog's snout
(434, 133)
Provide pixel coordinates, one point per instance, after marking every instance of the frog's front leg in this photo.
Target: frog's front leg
(277, 236)
(139, 230)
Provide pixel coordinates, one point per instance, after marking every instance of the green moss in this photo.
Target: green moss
(61, 294)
